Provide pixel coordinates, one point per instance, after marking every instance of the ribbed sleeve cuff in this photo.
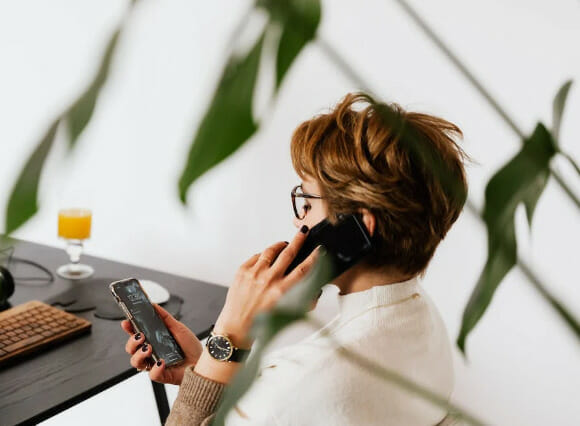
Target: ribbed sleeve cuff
(199, 392)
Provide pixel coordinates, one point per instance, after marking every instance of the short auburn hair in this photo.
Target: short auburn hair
(404, 167)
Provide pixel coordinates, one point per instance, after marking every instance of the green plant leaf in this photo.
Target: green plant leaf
(23, 204)
(558, 109)
(228, 122)
(532, 196)
(520, 180)
(299, 20)
(291, 307)
(80, 113)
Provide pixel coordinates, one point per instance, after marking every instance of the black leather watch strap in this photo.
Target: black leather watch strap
(239, 355)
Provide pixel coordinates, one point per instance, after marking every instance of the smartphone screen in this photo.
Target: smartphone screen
(346, 242)
(145, 319)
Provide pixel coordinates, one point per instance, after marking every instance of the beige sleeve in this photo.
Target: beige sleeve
(196, 401)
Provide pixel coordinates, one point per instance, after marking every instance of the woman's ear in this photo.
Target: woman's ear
(369, 220)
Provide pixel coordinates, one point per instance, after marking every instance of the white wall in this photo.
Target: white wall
(523, 364)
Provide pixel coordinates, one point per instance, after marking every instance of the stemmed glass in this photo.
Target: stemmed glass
(74, 226)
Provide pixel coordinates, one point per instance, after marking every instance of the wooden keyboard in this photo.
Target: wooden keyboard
(34, 326)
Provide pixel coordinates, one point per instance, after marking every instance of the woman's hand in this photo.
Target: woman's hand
(141, 359)
(259, 284)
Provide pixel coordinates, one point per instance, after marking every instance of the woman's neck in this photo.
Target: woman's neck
(359, 278)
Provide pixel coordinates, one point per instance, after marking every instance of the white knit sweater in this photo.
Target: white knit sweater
(310, 383)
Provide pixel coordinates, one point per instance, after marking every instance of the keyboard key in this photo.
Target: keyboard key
(23, 343)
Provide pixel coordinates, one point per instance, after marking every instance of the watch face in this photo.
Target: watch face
(220, 348)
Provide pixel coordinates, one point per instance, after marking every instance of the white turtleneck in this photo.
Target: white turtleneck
(396, 326)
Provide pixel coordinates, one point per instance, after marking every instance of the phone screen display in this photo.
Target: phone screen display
(148, 321)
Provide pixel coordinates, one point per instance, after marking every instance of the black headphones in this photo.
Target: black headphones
(6, 286)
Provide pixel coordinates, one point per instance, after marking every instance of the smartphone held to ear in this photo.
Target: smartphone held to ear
(138, 309)
(346, 242)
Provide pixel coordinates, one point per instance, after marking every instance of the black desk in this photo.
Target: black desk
(50, 382)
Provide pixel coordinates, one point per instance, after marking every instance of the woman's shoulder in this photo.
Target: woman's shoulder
(409, 334)
(413, 316)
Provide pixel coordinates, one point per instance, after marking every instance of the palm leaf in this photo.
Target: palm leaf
(22, 204)
(291, 307)
(79, 114)
(558, 109)
(522, 179)
(299, 20)
(228, 122)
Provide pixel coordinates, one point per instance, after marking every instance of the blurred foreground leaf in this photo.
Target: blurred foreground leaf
(558, 109)
(291, 307)
(522, 179)
(299, 21)
(23, 201)
(228, 123)
(23, 204)
(80, 113)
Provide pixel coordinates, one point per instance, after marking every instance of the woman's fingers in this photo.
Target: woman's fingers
(301, 270)
(268, 256)
(139, 358)
(251, 261)
(167, 318)
(134, 342)
(157, 371)
(289, 252)
(128, 327)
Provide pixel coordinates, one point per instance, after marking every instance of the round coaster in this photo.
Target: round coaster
(75, 272)
(156, 292)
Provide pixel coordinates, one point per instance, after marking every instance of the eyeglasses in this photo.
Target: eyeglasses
(299, 202)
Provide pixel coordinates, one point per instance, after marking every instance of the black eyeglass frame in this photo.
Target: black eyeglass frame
(293, 195)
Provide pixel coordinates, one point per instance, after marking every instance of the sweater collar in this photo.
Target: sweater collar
(379, 295)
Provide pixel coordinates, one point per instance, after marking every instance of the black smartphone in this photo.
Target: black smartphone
(346, 242)
(133, 300)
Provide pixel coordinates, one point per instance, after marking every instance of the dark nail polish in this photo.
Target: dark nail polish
(144, 348)
(137, 336)
(304, 229)
(286, 242)
(159, 363)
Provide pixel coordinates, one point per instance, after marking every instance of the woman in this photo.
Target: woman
(350, 161)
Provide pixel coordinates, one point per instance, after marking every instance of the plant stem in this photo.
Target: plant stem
(479, 86)
(537, 284)
(343, 65)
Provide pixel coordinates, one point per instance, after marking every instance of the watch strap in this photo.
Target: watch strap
(239, 355)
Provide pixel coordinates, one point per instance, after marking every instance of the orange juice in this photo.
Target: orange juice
(74, 224)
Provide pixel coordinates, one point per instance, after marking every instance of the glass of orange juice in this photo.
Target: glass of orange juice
(74, 225)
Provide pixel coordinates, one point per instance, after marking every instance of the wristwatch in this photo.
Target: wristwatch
(221, 348)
